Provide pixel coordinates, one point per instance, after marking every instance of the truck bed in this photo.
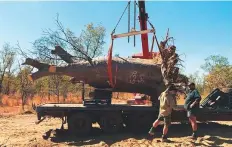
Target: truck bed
(55, 106)
(59, 110)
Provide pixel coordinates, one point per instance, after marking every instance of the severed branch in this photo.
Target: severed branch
(35, 64)
(70, 41)
(82, 52)
(64, 55)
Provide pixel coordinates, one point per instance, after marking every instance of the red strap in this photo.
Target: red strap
(109, 64)
(115, 77)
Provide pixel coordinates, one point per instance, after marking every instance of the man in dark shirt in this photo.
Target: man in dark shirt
(192, 106)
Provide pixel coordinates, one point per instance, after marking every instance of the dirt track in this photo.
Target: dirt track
(20, 130)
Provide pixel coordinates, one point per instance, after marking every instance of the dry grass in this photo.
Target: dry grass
(12, 104)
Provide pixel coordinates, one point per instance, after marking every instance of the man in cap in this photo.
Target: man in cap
(167, 103)
(192, 106)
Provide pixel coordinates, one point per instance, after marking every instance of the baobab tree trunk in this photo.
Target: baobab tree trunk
(128, 75)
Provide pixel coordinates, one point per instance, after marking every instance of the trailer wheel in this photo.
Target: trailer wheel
(111, 122)
(141, 122)
(80, 124)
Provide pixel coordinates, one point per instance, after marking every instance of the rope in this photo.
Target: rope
(154, 36)
(161, 53)
(152, 44)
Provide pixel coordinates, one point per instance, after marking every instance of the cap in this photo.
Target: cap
(191, 84)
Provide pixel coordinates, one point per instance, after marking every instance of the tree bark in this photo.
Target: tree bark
(64, 55)
(129, 75)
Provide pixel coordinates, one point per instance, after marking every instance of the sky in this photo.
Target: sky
(200, 29)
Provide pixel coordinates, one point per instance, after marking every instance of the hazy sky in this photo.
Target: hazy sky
(200, 28)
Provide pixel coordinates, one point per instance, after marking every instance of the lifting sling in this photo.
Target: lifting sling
(112, 78)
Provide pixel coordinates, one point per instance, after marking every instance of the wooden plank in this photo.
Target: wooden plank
(133, 33)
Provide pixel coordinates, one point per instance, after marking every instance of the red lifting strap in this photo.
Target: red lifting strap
(109, 65)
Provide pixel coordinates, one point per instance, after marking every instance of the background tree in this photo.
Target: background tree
(198, 80)
(25, 86)
(14, 78)
(7, 56)
(214, 61)
(86, 46)
(219, 72)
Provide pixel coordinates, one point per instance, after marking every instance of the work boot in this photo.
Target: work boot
(194, 136)
(150, 137)
(152, 131)
(164, 138)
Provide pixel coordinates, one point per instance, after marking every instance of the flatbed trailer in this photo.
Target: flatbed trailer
(112, 118)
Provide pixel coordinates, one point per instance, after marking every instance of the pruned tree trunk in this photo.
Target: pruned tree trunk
(128, 75)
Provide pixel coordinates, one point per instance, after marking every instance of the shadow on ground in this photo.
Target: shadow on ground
(210, 134)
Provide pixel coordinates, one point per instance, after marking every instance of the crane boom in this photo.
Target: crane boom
(143, 26)
(143, 19)
(143, 16)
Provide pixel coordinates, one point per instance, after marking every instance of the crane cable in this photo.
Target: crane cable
(134, 19)
(155, 38)
(109, 61)
(120, 18)
(128, 20)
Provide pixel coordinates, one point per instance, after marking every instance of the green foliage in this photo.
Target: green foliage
(42, 47)
(219, 77)
(85, 46)
(198, 80)
(88, 45)
(219, 72)
(7, 56)
(214, 61)
(93, 39)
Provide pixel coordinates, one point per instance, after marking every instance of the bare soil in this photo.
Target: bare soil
(21, 130)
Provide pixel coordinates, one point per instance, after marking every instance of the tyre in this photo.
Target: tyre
(140, 122)
(79, 124)
(111, 122)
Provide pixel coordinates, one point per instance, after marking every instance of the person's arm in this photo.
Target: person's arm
(173, 105)
(193, 104)
(160, 95)
(197, 97)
